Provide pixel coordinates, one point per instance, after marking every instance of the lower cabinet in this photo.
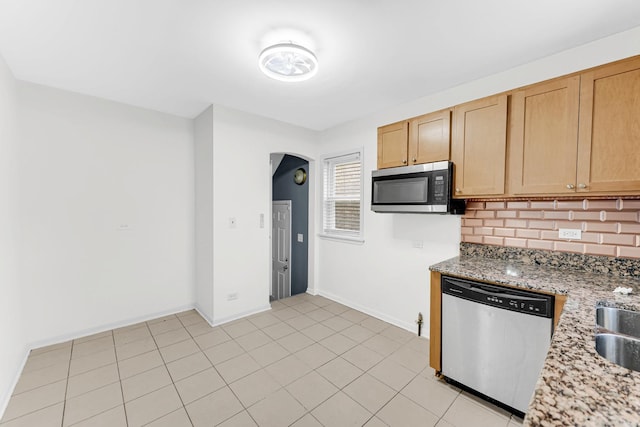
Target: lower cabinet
(435, 322)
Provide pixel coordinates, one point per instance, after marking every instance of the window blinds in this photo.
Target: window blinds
(342, 194)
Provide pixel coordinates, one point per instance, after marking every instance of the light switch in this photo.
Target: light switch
(261, 220)
(300, 237)
(232, 222)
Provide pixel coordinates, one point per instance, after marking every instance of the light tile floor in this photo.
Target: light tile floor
(307, 362)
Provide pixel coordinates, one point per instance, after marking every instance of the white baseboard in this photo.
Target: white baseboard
(371, 312)
(107, 327)
(223, 320)
(204, 316)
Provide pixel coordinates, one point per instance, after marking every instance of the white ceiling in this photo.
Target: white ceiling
(179, 56)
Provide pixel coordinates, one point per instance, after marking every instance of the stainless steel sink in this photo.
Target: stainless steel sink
(618, 320)
(619, 349)
(618, 336)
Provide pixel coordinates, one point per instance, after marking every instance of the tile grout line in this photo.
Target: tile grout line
(184, 407)
(66, 388)
(227, 385)
(169, 373)
(124, 408)
(98, 388)
(307, 411)
(238, 379)
(280, 387)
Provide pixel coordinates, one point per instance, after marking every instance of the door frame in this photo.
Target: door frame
(312, 278)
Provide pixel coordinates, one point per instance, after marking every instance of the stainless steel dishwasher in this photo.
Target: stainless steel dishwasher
(495, 339)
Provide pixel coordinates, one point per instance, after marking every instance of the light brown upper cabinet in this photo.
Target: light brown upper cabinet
(543, 137)
(392, 145)
(578, 134)
(609, 133)
(478, 147)
(574, 134)
(419, 140)
(430, 137)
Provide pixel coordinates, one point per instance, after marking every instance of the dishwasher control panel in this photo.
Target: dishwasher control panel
(498, 296)
(532, 306)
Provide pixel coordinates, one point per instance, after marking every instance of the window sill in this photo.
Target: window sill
(344, 239)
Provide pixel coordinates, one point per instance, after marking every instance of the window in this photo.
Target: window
(342, 196)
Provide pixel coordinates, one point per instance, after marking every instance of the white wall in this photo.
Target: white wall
(387, 276)
(13, 341)
(203, 146)
(242, 144)
(106, 213)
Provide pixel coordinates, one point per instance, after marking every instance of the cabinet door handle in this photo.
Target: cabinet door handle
(571, 186)
(404, 161)
(458, 190)
(415, 160)
(582, 186)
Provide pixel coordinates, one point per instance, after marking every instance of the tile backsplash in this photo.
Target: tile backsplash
(610, 227)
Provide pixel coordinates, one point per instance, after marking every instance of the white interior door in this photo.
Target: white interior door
(281, 251)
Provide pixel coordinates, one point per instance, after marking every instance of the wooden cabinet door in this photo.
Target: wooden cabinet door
(543, 138)
(609, 134)
(478, 146)
(430, 137)
(392, 145)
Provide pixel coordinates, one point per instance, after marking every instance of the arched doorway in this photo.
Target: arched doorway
(290, 225)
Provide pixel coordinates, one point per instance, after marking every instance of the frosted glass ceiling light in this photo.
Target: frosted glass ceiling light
(288, 62)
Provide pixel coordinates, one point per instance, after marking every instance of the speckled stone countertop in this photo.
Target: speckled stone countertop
(576, 387)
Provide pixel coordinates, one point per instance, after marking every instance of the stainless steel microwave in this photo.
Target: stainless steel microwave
(425, 188)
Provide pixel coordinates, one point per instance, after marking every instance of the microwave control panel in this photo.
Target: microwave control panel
(440, 187)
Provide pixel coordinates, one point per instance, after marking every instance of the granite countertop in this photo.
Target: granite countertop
(577, 387)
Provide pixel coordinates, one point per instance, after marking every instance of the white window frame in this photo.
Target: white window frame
(349, 237)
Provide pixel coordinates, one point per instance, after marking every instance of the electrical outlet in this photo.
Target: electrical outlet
(233, 296)
(300, 238)
(570, 233)
(418, 244)
(261, 220)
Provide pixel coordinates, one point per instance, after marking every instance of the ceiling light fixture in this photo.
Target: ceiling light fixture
(288, 62)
